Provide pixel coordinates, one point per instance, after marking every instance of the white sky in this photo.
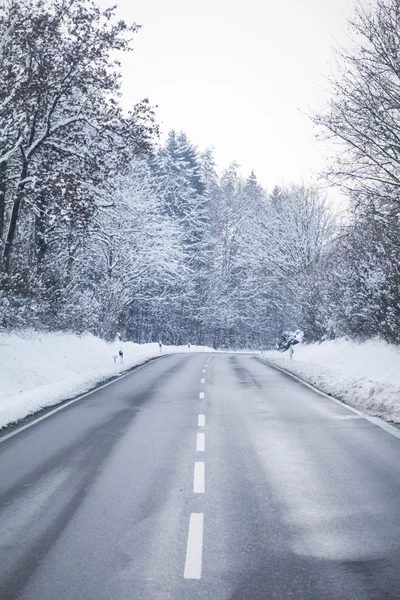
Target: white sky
(237, 75)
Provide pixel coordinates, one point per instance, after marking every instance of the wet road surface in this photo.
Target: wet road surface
(201, 476)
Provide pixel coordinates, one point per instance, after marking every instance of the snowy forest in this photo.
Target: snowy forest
(104, 228)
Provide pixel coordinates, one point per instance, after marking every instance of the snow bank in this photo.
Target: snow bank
(42, 369)
(364, 375)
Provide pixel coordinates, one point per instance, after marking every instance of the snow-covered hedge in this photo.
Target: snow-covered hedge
(38, 370)
(364, 375)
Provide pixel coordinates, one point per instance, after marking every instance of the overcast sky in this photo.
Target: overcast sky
(238, 75)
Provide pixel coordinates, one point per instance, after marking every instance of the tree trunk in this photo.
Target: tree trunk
(12, 228)
(3, 172)
(73, 247)
(40, 241)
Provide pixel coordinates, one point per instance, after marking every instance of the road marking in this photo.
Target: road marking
(202, 380)
(346, 417)
(3, 438)
(204, 370)
(201, 442)
(374, 420)
(201, 395)
(198, 483)
(202, 420)
(194, 550)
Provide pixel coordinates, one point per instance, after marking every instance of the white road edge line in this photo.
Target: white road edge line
(201, 421)
(201, 395)
(346, 417)
(201, 442)
(194, 550)
(52, 412)
(198, 482)
(374, 420)
(202, 380)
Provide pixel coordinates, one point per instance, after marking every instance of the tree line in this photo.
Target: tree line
(104, 229)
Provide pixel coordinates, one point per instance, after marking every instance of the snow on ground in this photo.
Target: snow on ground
(364, 375)
(38, 370)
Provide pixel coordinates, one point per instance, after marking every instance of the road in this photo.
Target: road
(201, 476)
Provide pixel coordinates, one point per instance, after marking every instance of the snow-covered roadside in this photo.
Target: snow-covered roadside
(38, 370)
(364, 375)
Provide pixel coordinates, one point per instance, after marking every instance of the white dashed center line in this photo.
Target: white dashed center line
(202, 421)
(194, 549)
(198, 483)
(201, 395)
(204, 370)
(201, 442)
(202, 380)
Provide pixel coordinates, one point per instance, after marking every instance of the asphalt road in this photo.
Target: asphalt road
(244, 486)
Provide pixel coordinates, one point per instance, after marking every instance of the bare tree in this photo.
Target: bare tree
(363, 119)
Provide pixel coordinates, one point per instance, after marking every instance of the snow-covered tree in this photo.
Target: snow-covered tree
(140, 251)
(60, 121)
